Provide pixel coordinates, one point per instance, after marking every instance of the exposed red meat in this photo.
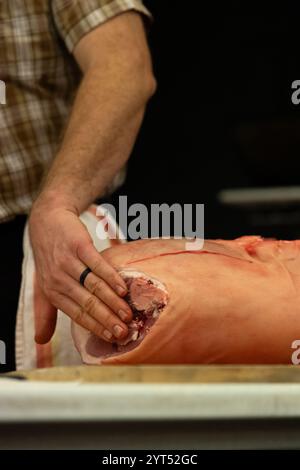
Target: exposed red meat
(232, 302)
(144, 295)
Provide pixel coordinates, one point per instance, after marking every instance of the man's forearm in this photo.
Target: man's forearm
(105, 120)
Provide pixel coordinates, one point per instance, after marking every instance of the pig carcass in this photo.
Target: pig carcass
(230, 302)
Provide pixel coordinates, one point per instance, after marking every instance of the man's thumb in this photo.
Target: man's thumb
(45, 315)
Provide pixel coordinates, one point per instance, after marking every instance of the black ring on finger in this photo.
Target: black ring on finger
(83, 275)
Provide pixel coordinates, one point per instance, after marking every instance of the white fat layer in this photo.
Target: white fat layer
(132, 336)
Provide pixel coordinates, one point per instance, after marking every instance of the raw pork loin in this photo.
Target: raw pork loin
(231, 302)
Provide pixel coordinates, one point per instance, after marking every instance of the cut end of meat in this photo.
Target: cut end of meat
(147, 298)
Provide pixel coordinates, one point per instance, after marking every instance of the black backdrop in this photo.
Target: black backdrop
(222, 116)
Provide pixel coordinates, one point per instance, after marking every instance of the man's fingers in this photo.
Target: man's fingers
(93, 307)
(101, 290)
(91, 258)
(82, 318)
(46, 316)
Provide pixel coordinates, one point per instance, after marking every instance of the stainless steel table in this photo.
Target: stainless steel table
(203, 407)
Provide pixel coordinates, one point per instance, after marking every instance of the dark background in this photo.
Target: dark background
(222, 116)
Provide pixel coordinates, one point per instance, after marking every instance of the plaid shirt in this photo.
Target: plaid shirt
(37, 38)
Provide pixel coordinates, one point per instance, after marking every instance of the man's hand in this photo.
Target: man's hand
(63, 249)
